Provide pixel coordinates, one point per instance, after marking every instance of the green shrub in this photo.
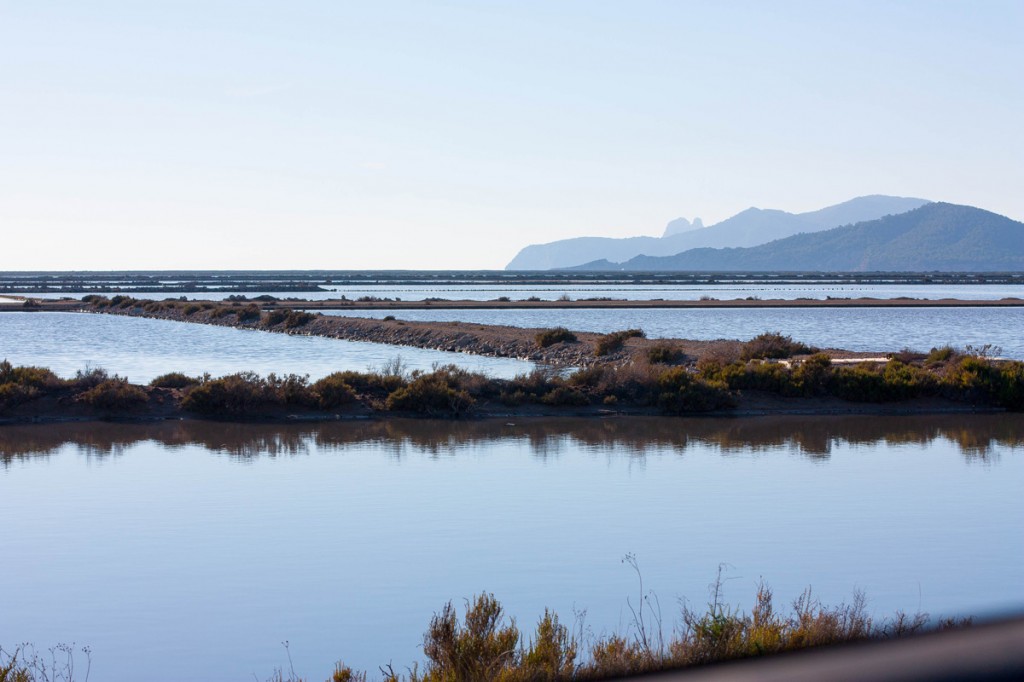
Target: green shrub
(249, 313)
(940, 355)
(812, 376)
(773, 345)
(35, 377)
(89, 377)
(175, 380)
(246, 392)
(550, 337)
(274, 318)
(12, 394)
(613, 342)
(682, 392)
(430, 394)
(114, 394)
(482, 647)
(333, 391)
(191, 309)
(563, 396)
(665, 355)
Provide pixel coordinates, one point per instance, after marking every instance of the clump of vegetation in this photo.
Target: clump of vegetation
(682, 392)
(773, 345)
(247, 393)
(22, 384)
(191, 309)
(249, 313)
(291, 319)
(114, 394)
(937, 356)
(175, 380)
(550, 337)
(665, 355)
(334, 391)
(613, 342)
(431, 394)
(487, 646)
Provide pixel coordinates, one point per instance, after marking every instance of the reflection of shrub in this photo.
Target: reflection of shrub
(174, 380)
(610, 343)
(773, 345)
(550, 337)
(114, 394)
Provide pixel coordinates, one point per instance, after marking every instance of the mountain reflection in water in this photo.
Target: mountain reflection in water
(975, 435)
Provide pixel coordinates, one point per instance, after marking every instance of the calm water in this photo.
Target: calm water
(142, 349)
(191, 551)
(638, 292)
(861, 329)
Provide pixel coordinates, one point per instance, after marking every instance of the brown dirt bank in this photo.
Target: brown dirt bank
(463, 337)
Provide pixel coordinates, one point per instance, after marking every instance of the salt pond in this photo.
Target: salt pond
(190, 551)
(143, 349)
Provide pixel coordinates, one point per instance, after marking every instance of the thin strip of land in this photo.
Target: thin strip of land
(617, 373)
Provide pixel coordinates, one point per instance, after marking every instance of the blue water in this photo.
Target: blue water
(190, 552)
(143, 349)
(859, 329)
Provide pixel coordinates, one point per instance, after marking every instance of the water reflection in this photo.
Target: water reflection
(975, 435)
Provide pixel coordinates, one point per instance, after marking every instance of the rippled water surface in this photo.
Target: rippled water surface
(190, 551)
(143, 349)
(861, 329)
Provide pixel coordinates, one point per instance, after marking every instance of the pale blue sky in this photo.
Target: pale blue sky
(318, 134)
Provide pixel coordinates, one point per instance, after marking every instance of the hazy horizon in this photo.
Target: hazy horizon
(322, 135)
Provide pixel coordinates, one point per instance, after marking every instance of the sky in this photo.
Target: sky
(317, 134)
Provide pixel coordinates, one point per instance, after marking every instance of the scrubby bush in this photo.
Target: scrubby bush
(333, 391)
(550, 337)
(773, 345)
(811, 377)
(89, 377)
(613, 342)
(682, 392)
(938, 356)
(564, 396)
(274, 318)
(175, 380)
(246, 392)
(298, 318)
(114, 394)
(34, 377)
(430, 394)
(191, 309)
(249, 313)
(665, 355)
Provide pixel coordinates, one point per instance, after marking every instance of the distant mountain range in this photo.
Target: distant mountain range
(750, 228)
(936, 236)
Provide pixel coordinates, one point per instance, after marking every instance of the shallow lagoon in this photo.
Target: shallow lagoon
(189, 551)
(143, 349)
(859, 329)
